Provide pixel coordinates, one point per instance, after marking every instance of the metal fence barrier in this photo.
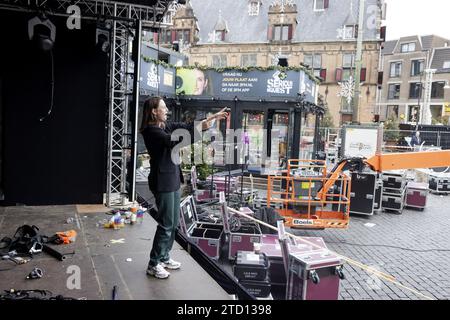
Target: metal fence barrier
(393, 140)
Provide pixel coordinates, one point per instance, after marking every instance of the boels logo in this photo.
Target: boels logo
(302, 222)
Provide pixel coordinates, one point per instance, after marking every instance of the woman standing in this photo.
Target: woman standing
(165, 179)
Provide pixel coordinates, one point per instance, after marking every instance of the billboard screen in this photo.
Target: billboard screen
(252, 85)
(156, 78)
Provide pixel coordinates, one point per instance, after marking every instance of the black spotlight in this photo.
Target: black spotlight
(283, 62)
(42, 31)
(176, 46)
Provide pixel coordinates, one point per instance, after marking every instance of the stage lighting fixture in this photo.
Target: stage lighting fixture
(176, 46)
(42, 31)
(102, 39)
(283, 62)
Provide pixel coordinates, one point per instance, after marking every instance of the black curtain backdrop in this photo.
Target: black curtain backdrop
(61, 160)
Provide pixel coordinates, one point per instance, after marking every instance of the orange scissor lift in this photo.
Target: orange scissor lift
(303, 201)
(317, 199)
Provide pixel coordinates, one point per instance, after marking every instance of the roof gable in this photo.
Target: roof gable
(313, 26)
(440, 57)
(423, 43)
(389, 46)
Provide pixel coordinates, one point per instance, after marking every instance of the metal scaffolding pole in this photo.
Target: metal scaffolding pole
(358, 61)
(134, 111)
(117, 126)
(425, 112)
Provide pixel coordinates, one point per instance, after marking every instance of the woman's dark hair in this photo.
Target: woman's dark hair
(147, 114)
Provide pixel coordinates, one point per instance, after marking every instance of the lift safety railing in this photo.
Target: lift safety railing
(302, 204)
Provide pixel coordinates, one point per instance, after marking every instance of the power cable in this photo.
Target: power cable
(388, 246)
(52, 83)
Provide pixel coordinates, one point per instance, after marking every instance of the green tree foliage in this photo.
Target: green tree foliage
(204, 169)
(391, 129)
(327, 121)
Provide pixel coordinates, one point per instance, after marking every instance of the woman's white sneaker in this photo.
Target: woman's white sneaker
(158, 271)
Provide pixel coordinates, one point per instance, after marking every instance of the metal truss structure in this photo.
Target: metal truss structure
(149, 15)
(126, 21)
(119, 91)
(425, 111)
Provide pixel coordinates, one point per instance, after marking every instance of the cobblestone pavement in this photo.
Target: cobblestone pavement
(413, 247)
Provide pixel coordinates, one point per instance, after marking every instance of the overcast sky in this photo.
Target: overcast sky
(417, 17)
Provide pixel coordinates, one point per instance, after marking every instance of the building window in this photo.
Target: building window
(282, 32)
(183, 35)
(413, 113)
(348, 60)
(253, 8)
(320, 5)
(314, 61)
(417, 67)
(346, 107)
(396, 69)
(350, 31)
(392, 112)
(436, 113)
(248, 60)
(348, 63)
(394, 92)
(408, 47)
(219, 35)
(219, 60)
(346, 74)
(415, 90)
(166, 36)
(446, 64)
(437, 90)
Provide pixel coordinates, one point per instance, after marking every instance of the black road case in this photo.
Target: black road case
(260, 289)
(363, 193)
(439, 183)
(251, 266)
